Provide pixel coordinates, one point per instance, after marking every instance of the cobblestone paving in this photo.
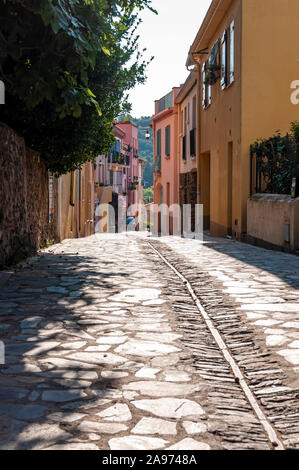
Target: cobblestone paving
(264, 284)
(105, 350)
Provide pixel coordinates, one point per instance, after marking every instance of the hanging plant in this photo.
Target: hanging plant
(212, 75)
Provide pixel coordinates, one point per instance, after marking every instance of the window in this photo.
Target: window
(224, 60)
(167, 141)
(192, 143)
(228, 56)
(184, 150)
(206, 88)
(194, 112)
(119, 177)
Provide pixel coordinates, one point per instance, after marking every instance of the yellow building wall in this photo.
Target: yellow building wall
(76, 207)
(270, 64)
(256, 105)
(220, 124)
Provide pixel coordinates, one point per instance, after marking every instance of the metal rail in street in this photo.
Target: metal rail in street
(240, 379)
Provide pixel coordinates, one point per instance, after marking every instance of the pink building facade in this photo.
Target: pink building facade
(119, 174)
(166, 160)
(131, 141)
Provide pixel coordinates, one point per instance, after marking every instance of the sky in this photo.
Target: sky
(168, 37)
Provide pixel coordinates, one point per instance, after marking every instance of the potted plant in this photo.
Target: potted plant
(213, 73)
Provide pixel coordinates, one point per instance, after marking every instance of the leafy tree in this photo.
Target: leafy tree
(148, 195)
(277, 160)
(64, 64)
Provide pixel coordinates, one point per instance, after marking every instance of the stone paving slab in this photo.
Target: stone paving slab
(95, 358)
(85, 325)
(263, 284)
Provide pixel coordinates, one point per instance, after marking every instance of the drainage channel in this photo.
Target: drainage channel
(227, 355)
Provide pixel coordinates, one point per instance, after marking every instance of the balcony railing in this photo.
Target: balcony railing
(117, 157)
(133, 186)
(165, 102)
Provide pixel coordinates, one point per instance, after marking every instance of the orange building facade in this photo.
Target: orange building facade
(246, 60)
(187, 136)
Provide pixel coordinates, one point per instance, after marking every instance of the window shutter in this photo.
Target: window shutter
(232, 53)
(167, 141)
(204, 98)
(159, 142)
(209, 89)
(72, 189)
(224, 60)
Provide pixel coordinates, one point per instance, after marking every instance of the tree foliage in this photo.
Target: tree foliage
(277, 160)
(67, 66)
(148, 195)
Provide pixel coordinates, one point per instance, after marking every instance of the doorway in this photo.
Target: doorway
(205, 188)
(230, 189)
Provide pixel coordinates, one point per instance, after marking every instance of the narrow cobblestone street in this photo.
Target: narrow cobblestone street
(105, 347)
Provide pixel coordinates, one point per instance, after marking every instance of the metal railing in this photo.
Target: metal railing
(165, 102)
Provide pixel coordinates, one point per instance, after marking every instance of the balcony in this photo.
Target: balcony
(116, 157)
(165, 102)
(133, 186)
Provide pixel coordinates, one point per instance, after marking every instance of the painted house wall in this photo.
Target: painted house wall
(76, 203)
(131, 139)
(220, 131)
(269, 66)
(255, 105)
(188, 122)
(185, 102)
(166, 184)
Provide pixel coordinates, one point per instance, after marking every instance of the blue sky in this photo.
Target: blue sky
(168, 37)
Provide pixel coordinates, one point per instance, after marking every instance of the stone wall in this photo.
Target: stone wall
(273, 221)
(24, 200)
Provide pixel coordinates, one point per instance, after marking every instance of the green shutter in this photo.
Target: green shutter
(167, 141)
(159, 142)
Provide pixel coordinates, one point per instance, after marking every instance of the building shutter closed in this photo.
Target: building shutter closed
(167, 141)
(204, 98)
(159, 142)
(232, 53)
(224, 60)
